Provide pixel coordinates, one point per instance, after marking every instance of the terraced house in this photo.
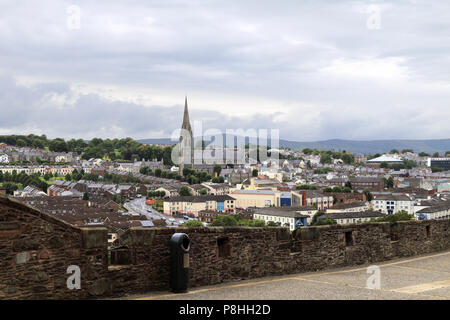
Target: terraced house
(193, 205)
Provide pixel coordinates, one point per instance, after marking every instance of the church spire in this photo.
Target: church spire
(186, 123)
(186, 141)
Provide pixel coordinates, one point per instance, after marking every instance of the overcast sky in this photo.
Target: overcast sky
(314, 70)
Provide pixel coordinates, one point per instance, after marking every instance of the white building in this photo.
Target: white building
(352, 217)
(434, 212)
(4, 158)
(389, 204)
(291, 218)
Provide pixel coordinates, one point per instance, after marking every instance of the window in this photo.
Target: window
(224, 247)
(348, 238)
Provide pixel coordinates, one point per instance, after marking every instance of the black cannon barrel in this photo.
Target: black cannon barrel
(179, 262)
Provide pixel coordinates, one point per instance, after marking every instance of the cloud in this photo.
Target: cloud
(312, 68)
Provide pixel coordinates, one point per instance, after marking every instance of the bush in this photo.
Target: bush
(236, 220)
(398, 216)
(326, 221)
(251, 223)
(224, 221)
(184, 191)
(193, 223)
(316, 217)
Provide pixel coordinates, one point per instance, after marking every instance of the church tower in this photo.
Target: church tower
(186, 141)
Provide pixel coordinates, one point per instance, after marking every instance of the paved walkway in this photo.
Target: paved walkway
(420, 277)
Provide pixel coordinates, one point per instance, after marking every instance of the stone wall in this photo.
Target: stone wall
(258, 252)
(36, 249)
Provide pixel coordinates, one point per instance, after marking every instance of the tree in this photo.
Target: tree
(144, 170)
(423, 154)
(393, 151)
(254, 172)
(202, 192)
(224, 221)
(184, 191)
(389, 183)
(58, 145)
(272, 224)
(316, 217)
(10, 187)
(436, 155)
(193, 224)
(85, 196)
(347, 190)
(325, 221)
(401, 215)
(217, 169)
(368, 194)
(348, 158)
(305, 187)
(257, 223)
(325, 158)
(384, 165)
(47, 176)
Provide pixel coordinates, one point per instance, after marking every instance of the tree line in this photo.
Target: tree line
(108, 149)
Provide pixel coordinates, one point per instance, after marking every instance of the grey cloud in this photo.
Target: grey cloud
(266, 49)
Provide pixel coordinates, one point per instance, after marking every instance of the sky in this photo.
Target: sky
(314, 70)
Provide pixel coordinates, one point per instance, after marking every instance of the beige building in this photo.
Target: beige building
(256, 198)
(194, 204)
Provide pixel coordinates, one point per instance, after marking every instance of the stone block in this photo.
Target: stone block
(9, 225)
(95, 238)
(31, 243)
(99, 287)
(56, 242)
(22, 257)
(139, 237)
(310, 233)
(283, 234)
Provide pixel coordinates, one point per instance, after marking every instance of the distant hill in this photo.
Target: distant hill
(355, 146)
